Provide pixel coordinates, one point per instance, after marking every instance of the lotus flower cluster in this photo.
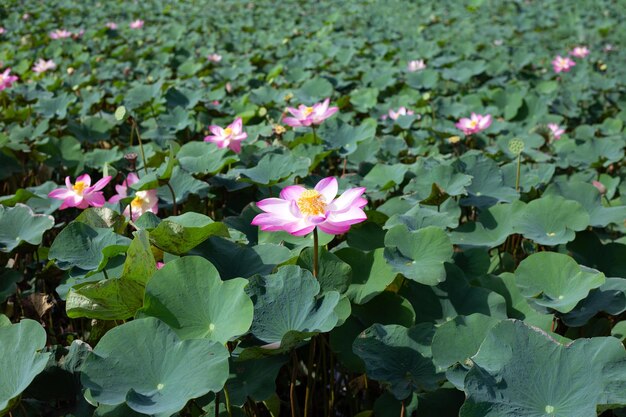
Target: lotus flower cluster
(136, 24)
(81, 194)
(416, 65)
(562, 64)
(230, 137)
(393, 115)
(42, 66)
(580, 52)
(556, 130)
(474, 124)
(6, 79)
(60, 34)
(143, 202)
(308, 116)
(299, 210)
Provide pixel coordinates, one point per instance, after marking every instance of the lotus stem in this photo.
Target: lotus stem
(143, 155)
(315, 252)
(309, 379)
(519, 167)
(227, 398)
(174, 208)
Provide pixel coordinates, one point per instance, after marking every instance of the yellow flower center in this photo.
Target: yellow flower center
(308, 110)
(228, 131)
(473, 123)
(137, 202)
(79, 187)
(311, 203)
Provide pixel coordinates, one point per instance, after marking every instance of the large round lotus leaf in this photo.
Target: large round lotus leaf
(204, 158)
(551, 220)
(20, 358)
(8, 283)
(553, 281)
(19, 224)
(203, 306)
(255, 379)
(610, 297)
(82, 246)
(419, 217)
(419, 255)
(274, 168)
(521, 371)
(333, 274)
(370, 273)
(451, 298)
(493, 226)
(432, 172)
(179, 234)
(146, 365)
(345, 137)
(399, 357)
(287, 301)
(590, 199)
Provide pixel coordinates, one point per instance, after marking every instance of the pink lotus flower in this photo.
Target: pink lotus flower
(25, 16)
(402, 111)
(307, 116)
(298, 211)
(79, 34)
(2, 30)
(144, 201)
(214, 57)
(6, 79)
(580, 52)
(81, 194)
(136, 24)
(42, 66)
(476, 123)
(601, 187)
(160, 265)
(60, 34)
(556, 130)
(111, 25)
(231, 136)
(561, 64)
(416, 65)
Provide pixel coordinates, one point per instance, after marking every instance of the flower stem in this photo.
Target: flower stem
(519, 166)
(174, 208)
(315, 252)
(143, 155)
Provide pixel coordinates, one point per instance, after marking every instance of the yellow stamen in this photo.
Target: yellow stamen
(79, 187)
(228, 131)
(311, 203)
(473, 123)
(307, 111)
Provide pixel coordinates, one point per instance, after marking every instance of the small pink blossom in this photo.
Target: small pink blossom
(6, 79)
(231, 136)
(416, 65)
(214, 58)
(42, 66)
(111, 25)
(25, 16)
(298, 211)
(580, 52)
(60, 34)
(136, 24)
(307, 116)
(476, 123)
(2, 30)
(144, 201)
(402, 111)
(215, 102)
(556, 130)
(81, 194)
(160, 265)
(79, 34)
(561, 64)
(601, 187)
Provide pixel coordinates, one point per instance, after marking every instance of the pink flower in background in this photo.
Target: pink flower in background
(136, 24)
(60, 34)
(580, 52)
(81, 194)
(6, 79)
(561, 64)
(402, 111)
(231, 136)
(111, 25)
(214, 57)
(556, 130)
(601, 187)
(416, 65)
(42, 66)
(307, 116)
(476, 123)
(79, 34)
(160, 264)
(146, 200)
(25, 16)
(298, 211)
(2, 30)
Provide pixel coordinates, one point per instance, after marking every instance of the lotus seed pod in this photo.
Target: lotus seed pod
(516, 146)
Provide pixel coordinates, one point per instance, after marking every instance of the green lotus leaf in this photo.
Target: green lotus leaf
(370, 273)
(144, 364)
(314, 90)
(19, 224)
(418, 217)
(288, 301)
(493, 226)
(418, 255)
(610, 297)
(274, 168)
(202, 306)
(254, 379)
(345, 137)
(334, 274)
(551, 220)
(102, 217)
(8, 283)
(487, 187)
(184, 185)
(553, 281)
(520, 370)
(21, 359)
(180, 234)
(204, 158)
(399, 357)
(82, 246)
(384, 177)
(429, 172)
